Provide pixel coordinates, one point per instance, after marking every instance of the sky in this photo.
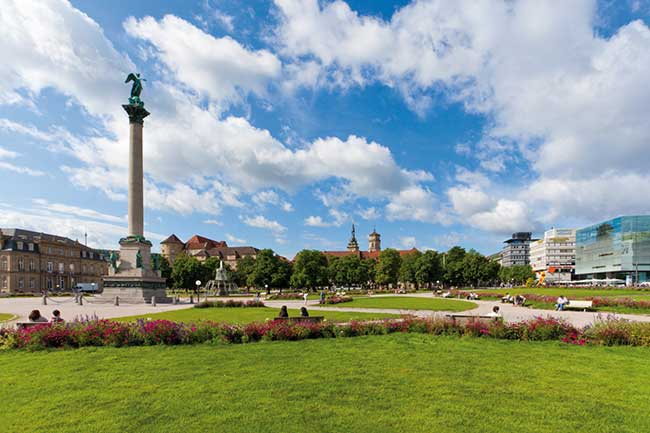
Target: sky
(280, 123)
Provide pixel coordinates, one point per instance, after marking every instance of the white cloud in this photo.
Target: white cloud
(9, 154)
(370, 213)
(100, 234)
(338, 218)
(217, 67)
(262, 222)
(417, 204)
(60, 208)
(271, 198)
(560, 97)
(235, 240)
(213, 222)
(407, 242)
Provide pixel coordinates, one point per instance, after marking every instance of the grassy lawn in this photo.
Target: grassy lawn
(5, 316)
(415, 383)
(247, 315)
(407, 303)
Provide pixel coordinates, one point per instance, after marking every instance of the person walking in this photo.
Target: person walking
(305, 296)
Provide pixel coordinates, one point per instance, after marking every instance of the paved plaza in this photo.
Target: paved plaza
(20, 307)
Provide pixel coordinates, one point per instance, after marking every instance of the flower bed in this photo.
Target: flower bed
(229, 304)
(164, 332)
(597, 301)
(336, 300)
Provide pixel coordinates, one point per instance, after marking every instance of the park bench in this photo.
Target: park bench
(464, 318)
(579, 305)
(310, 319)
(25, 325)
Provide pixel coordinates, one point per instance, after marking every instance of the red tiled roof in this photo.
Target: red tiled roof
(199, 242)
(173, 239)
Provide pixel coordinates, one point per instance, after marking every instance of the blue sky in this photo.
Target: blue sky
(280, 123)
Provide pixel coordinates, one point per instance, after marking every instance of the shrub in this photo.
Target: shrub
(230, 303)
(336, 299)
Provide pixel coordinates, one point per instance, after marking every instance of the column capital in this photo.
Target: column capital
(136, 113)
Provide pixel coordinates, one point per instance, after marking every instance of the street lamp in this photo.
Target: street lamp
(266, 287)
(198, 287)
(93, 286)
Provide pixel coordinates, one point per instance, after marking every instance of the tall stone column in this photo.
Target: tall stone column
(136, 202)
(135, 277)
(136, 113)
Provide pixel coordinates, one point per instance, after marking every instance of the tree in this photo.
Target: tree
(428, 268)
(517, 274)
(472, 269)
(408, 268)
(453, 266)
(269, 269)
(185, 271)
(388, 266)
(310, 270)
(210, 266)
(165, 268)
(243, 270)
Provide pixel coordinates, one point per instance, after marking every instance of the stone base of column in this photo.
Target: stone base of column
(134, 279)
(135, 289)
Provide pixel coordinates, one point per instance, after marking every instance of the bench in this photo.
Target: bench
(464, 318)
(298, 319)
(579, 305)
(25, 325)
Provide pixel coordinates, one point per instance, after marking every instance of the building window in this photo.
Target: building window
(21, 283)
(50, 267)
(61, 283)
(49, 250)
(21, 264)
(4, 282)
(4, 264)
(49, 284)
(19, 245)
(83, 269)
(31, 265)
(32, 283)
(72, 268)
(61, 267)
(30, 246)
(92, 269)
(83, 254)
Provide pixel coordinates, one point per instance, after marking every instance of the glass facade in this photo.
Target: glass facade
(618, 248)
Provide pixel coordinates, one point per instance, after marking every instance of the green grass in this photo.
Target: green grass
(398, 383)
(5, 316)
(408, 303)
(247, 315)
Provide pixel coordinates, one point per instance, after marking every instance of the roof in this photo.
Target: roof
(14, 235)
(197, 242)
(173, 239)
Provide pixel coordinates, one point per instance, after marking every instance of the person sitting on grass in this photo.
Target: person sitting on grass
(303, 312)
(495, 312)
(506, 299)
(35, 316)
(283, 312)
(56, 317)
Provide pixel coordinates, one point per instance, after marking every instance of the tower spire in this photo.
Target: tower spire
(353, 245)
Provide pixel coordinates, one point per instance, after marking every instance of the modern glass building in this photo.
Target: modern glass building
(618, 248)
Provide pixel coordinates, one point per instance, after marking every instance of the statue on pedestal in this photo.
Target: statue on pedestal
(136, 89)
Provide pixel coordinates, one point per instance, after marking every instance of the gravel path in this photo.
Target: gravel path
(69, 310)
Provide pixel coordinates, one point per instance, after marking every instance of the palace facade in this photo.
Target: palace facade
(31, 262)
(202, 248)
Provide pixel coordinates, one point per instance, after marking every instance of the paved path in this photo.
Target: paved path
(509, 311)
(69, 310)
(21, 307)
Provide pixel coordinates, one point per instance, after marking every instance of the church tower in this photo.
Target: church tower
(374, 241)
(353, 245)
